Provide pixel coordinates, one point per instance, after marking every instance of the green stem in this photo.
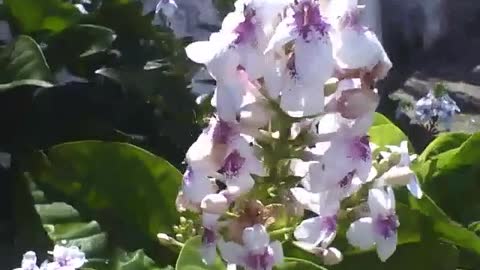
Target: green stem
(281, 232)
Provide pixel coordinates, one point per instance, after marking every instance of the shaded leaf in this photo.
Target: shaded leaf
(34, 15)
(442, 143)
(23, 61)
(190, 258)
(129, 182)
(294, 264)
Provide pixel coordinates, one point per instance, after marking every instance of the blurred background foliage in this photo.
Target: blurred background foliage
(97, 112)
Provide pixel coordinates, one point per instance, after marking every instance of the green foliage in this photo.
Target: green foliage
(22, 62)
(65, 226)
(190, 258)
(33, 15)
(133, 185)
(384, 132)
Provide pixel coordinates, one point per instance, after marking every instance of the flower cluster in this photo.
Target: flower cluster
(437, 105)
(64, 258)
(295, 96)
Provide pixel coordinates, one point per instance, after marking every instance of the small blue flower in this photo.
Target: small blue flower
(440, 108)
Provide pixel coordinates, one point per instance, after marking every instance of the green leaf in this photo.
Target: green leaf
(384, 132)
(64, 226)
(137, 260)
(78, 41)
(34, 15)
(451, 175)
(23, 61)
(294, 264)
(446, 228)
(190, 258)
(125, 181)
(442, 143)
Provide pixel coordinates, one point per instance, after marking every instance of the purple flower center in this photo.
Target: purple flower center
(260, 261)
(387, 225)
(309, 20)
(360, 148)
(329, 223)
(208, 237)
(347, 180)
(232, 165)
(222, 132)
(246, 29)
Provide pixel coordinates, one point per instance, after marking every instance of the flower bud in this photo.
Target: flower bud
(396, 176)
(214, 204)
(332, 256)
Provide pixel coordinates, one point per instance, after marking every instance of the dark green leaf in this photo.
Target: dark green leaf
(294, 264)
(23, 61)
(133, 184)
(34, 15)
(442, 143)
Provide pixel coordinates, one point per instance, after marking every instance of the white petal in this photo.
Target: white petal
(300, 101)
(397, 176)
(314, 231)
(252, 60)
(415, 188)
(228, 100)
(232, 252)
(209, 253)
(209, 220)
(360, 233)
(239, 185)
(277, 252)
(357, 49)
(200, 52)
(314, 62)
(255, 239)
(385, 246)
(197, 187)
(332, 256)
(283, 34)
(378, 202)
(214, 203)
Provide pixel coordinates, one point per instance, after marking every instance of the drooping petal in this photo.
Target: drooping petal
(385, 246)
(314, 63)
(232, 252)
(255, 239)
(317, 230)
(300, 101)
(214, 203)
(378, 202)
(277, 249)
(360, 233)
(196, 185)
(415, 188)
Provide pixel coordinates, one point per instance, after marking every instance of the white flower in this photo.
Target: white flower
(168, 7)
(195, 187)
(66, 258)
(29, 261)
(401, 174)
(238, 166)
(322, 229)
(380, 229)
(311, 64)
(257, 252)
(208, 152)
(209, 237)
